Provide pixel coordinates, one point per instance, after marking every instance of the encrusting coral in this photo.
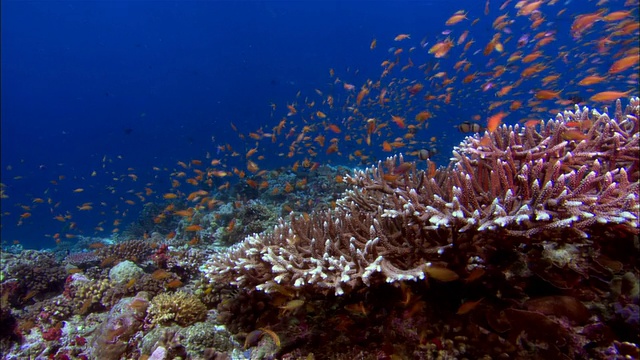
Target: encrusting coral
(403, 224)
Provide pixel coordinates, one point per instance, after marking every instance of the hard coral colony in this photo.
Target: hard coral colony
(525, 246)
(550, 223)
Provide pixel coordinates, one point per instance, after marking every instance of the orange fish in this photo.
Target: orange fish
(529, 8)
(402, 168)
(624, 64)
(495, 121)
(532, 123)
(332, 149)
(252, 166)
(231, 225)
(358, 309)
(415, 88)
(462, 37)
(547, 94)
(334, 128)
(174, 284)
(371, 126)
(402, 37)
(590, 80)
(441, 49)
(251, 152)
(531, 57)
(504, 90)
(456, 18)
(398, 120)
(609, 95)
(431, 169)
(468, 306)
(616, 15)
(423, 115)
(193, 228)
(364, 92)
(381, 100)
(573, 134)
(583, 22)
(169, 196)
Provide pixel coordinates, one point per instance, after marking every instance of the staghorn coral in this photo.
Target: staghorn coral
(181, 308)
(525, 231)
(399, 223)
(526, 181)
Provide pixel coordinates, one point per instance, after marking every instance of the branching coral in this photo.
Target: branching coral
(526, 181)
(398, 222)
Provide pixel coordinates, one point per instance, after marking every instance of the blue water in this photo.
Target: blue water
(121, 87)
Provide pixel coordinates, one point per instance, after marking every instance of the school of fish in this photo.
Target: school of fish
(542, 57)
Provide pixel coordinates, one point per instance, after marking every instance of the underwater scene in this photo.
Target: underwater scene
(421, 179)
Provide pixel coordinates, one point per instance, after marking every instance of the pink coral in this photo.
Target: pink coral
(523, 183)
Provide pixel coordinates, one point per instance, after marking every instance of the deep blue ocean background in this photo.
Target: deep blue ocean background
(120, 87)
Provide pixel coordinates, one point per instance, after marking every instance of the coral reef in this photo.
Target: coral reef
(523, 247)
(398, 222)
(519, 214)
(28, 275)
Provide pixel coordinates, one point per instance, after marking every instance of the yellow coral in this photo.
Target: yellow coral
(182, 308)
